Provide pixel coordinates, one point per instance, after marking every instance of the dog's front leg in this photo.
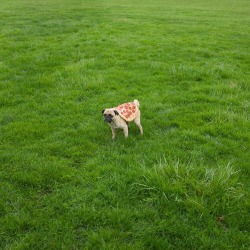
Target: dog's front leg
(113, 133)
(125, 130)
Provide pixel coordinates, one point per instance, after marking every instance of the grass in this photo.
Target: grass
(65, 184)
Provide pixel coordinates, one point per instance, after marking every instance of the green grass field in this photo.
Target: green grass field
(184, 184)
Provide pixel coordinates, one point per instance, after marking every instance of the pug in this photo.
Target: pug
(119, 117)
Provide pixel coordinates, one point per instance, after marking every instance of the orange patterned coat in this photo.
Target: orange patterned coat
(127, 111)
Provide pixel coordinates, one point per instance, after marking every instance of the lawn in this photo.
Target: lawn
(65, 184)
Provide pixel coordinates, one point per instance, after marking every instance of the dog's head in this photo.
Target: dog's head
(109, 115)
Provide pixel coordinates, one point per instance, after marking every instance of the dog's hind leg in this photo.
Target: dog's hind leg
(137, 121)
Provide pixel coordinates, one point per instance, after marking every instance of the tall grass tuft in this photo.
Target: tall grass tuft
(195, 189)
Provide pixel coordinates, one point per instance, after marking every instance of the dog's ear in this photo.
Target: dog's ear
(103, 111)
(116, 112)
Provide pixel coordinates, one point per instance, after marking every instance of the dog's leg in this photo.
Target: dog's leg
(137, 121)
(125, 130)
(113, 133)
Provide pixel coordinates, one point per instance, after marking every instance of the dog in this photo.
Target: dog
(119, 117)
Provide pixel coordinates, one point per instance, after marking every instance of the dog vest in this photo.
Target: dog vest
(127, 111)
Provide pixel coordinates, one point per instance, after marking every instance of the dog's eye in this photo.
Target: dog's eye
(110, 115)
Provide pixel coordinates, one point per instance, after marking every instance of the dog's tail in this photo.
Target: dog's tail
(137, 103)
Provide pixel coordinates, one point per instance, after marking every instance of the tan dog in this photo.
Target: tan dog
(120, 117)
